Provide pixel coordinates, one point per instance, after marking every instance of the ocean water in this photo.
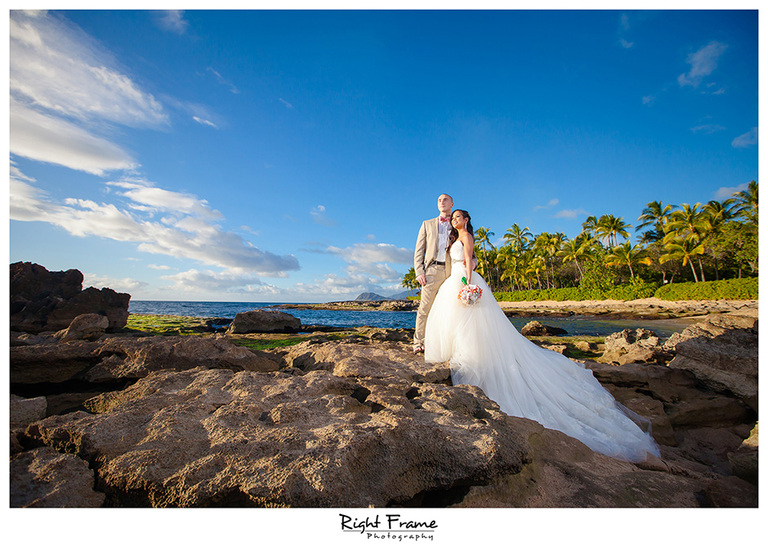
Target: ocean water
(587, 326)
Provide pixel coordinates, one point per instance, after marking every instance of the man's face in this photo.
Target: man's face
(444, 204)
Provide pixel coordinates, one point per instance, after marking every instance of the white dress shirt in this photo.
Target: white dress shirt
(443, 228)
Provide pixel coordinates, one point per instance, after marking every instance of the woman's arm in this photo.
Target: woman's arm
(469, 249)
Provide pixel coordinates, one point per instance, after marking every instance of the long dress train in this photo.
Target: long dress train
(485, 349)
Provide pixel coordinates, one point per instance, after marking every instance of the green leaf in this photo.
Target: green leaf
(464, 280)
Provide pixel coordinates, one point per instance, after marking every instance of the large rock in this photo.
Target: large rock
(722, 352)
(638, 345)
(262, 320)
(219, 438)
(536, 328)
(44, 478)
(88, 326)
(380, 360)
(43, 300)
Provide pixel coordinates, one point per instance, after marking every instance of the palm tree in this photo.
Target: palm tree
(590, 226)
(576, 248)
(609, 227)
(714, 216)
(688, 222)
(627, 255)
(654, 214)
(482, 238)
(535, 266)
(683, 248)
(517, 238)
(746, 203)
(410, 282)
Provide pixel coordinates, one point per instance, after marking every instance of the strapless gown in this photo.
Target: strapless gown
(525, 380)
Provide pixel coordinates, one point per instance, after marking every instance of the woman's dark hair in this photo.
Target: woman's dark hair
(454, 235)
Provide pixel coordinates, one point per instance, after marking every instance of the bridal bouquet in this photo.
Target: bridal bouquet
(470, 293)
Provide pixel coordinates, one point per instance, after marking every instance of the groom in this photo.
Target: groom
(431, 264)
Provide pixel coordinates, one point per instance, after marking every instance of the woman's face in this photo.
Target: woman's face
(457, 220)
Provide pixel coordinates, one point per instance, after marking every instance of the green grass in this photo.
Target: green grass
(264, 344)
(166, 325)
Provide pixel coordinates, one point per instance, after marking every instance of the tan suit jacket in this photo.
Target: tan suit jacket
(426, 248)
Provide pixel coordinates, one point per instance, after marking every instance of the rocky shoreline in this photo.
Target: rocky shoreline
(357, 420)
(109, 417)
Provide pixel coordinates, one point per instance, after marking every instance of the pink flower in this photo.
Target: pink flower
(469, 294)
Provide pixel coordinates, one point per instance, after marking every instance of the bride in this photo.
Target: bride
(485, 349)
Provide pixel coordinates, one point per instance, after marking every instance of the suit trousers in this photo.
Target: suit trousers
(436, 275)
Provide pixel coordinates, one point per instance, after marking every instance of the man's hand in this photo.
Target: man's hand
(422, 279)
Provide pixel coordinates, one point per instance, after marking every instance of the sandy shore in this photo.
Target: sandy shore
(647, 308)
(643, 308)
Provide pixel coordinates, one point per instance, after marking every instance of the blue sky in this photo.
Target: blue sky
(291, 156)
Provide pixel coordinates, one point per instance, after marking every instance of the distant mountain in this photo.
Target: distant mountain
(371, 296)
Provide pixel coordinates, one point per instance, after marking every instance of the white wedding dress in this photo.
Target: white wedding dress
(525, 380)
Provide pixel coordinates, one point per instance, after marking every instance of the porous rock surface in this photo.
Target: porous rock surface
(536, 328)
(639, 345)
(722, 352)
(263, 320)
(219, 438)
(361, 421)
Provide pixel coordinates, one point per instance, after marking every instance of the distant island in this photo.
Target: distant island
(372, 296)
(367, 301)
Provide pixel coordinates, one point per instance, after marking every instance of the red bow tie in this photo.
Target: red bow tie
(444, 219)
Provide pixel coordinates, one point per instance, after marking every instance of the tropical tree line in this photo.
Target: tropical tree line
(677, 243)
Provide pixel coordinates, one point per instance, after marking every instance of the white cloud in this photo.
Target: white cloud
(369, 269)
(125, 285)
(551, 203)
(371, 253)
(55, 66)
(572, 213)
(707, 129)
(319, 216)
(626, 44)
(703, 62)
(204, 122)
(336, 285)
(187, 230)
(195, 281)
(172, 20)
(286, 103)
(726, 192)
(223, 81)
(65, 89)
(159, 267)
(648, 99)
(42, 137)
(145, 193)
(746, 140)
